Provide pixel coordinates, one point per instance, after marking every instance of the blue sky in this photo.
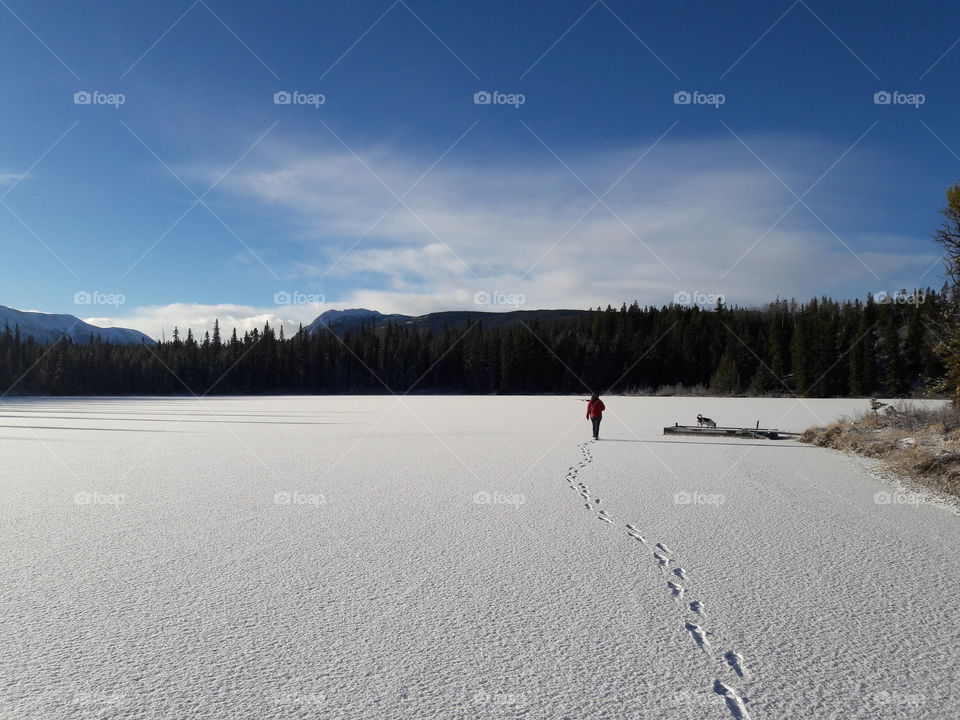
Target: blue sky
(400, 193)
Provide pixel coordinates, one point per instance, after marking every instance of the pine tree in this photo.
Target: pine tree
(948, 237)
(726, 379)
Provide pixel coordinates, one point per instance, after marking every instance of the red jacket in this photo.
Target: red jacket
(595, 408)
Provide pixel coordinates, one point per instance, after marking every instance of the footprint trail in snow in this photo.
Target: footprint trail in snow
(665, 557)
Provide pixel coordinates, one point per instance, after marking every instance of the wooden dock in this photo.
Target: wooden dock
(735, 432)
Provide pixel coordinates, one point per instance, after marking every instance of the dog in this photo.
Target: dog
(705, 422)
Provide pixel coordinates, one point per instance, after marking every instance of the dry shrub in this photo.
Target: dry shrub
(918, 443)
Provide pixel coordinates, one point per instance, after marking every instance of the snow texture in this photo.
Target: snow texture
(443, 557)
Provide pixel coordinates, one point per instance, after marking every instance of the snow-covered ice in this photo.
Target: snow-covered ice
(415, 557)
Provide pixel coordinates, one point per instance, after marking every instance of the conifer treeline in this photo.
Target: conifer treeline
(822, 348)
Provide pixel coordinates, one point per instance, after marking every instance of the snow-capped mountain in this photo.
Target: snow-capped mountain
(47, 327)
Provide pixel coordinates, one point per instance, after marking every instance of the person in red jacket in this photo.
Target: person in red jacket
(595, 410)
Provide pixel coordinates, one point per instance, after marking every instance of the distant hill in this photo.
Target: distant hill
(48, 327)
(344, 321)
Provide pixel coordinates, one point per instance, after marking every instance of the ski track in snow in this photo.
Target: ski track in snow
(663, 556)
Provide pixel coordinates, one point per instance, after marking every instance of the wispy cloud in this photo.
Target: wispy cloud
(159, 320)
(518, 227)
(527, 228)
(11, 178)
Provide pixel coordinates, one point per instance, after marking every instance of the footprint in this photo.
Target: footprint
(698, 608)
(631, 528)
(680, 573)
(637, 537)
(664, 548)
(661, 559)
(732, 699)
(735, 661)
(675, 588)
(597, 501)
(604, 518)
(699, 636)
(588, 506)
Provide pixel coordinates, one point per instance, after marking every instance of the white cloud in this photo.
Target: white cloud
(684, 217)
(159, 320)
(694, 216)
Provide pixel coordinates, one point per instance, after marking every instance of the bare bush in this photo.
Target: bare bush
(917, 442)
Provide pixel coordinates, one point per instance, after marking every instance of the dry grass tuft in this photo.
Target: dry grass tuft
(917, 443)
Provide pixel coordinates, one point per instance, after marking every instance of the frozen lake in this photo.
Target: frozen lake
(446, 557)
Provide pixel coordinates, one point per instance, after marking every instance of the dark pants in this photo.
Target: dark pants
(596, 427)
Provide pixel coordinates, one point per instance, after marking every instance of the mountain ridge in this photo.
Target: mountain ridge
(50, 327)
(341, 322)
